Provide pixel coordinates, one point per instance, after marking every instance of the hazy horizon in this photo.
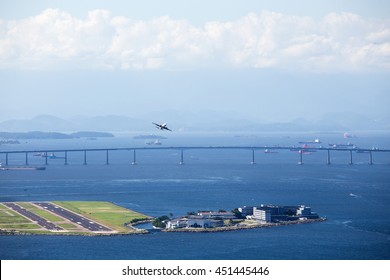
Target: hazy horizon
(206, 121)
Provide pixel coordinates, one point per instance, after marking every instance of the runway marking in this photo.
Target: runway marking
(74, 217)
(33, 217)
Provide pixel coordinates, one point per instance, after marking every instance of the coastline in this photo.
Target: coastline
(145, 231)
(242, 226)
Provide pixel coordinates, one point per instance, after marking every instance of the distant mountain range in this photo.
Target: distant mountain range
(205, 121)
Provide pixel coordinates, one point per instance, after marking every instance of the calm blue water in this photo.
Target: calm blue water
(355, 199)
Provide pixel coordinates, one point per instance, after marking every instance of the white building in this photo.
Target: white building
(263, 215)
(272, 213)
(177, 223)
(203, 222)
(194, 222)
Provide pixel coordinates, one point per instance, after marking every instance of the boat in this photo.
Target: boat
(362, 151)
(305, 149)
(22, 168)
(50, 156)
(343, 146)
(157, 142)
(308, 148)
(315, 141)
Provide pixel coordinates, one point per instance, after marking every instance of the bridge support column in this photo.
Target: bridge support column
(66, 158)
(350, 158)
(107, 163)
(134, 158)
(181, 158)
(45, 158)
(6, 158)
(370, 158)
(328, 158)
(253, 157)
(85, 157)
(26, 158)
(300, 157)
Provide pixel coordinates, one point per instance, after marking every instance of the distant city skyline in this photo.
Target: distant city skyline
(266, 60)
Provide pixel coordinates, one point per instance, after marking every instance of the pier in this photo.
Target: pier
(50, 154)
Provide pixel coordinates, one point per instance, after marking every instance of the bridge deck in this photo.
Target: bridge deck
(49, 153)
(293, 148)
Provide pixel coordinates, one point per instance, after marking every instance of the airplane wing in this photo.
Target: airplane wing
(161, 126)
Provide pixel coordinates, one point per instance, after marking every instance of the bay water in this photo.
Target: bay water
(354, 198)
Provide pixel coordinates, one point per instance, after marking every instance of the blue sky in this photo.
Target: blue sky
(267, 60)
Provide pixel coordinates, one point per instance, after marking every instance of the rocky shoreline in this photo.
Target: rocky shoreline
(242, 226)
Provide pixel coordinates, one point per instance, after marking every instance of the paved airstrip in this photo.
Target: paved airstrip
(71, 217)
(33, 217)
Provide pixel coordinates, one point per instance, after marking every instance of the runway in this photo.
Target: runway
(73, 217)
(34, 217)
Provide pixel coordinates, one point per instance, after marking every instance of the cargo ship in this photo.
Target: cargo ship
(343, 146)
(2, 167)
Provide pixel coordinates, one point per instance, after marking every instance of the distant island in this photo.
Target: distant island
(8, 141)
(51, 135)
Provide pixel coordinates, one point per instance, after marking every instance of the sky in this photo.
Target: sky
(266, 60)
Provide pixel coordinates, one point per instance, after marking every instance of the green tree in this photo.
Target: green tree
(237, 213)
(160, 221)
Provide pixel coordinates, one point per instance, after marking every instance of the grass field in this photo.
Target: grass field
(8, 216)
(105, 213)
(40, 212)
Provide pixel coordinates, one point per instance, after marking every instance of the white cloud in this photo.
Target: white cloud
(55, 39)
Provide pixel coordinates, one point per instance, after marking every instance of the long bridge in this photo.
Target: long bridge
(50, 153)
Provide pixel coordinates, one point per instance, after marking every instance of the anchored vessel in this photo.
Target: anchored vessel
(22, 167)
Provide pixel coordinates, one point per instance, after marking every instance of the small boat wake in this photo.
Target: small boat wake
(355, 195)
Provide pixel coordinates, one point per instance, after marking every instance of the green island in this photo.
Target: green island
(109, 218)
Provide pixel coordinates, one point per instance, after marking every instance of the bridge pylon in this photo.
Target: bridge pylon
(253, 157)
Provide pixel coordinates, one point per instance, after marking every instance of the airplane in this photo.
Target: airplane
(161, 126)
